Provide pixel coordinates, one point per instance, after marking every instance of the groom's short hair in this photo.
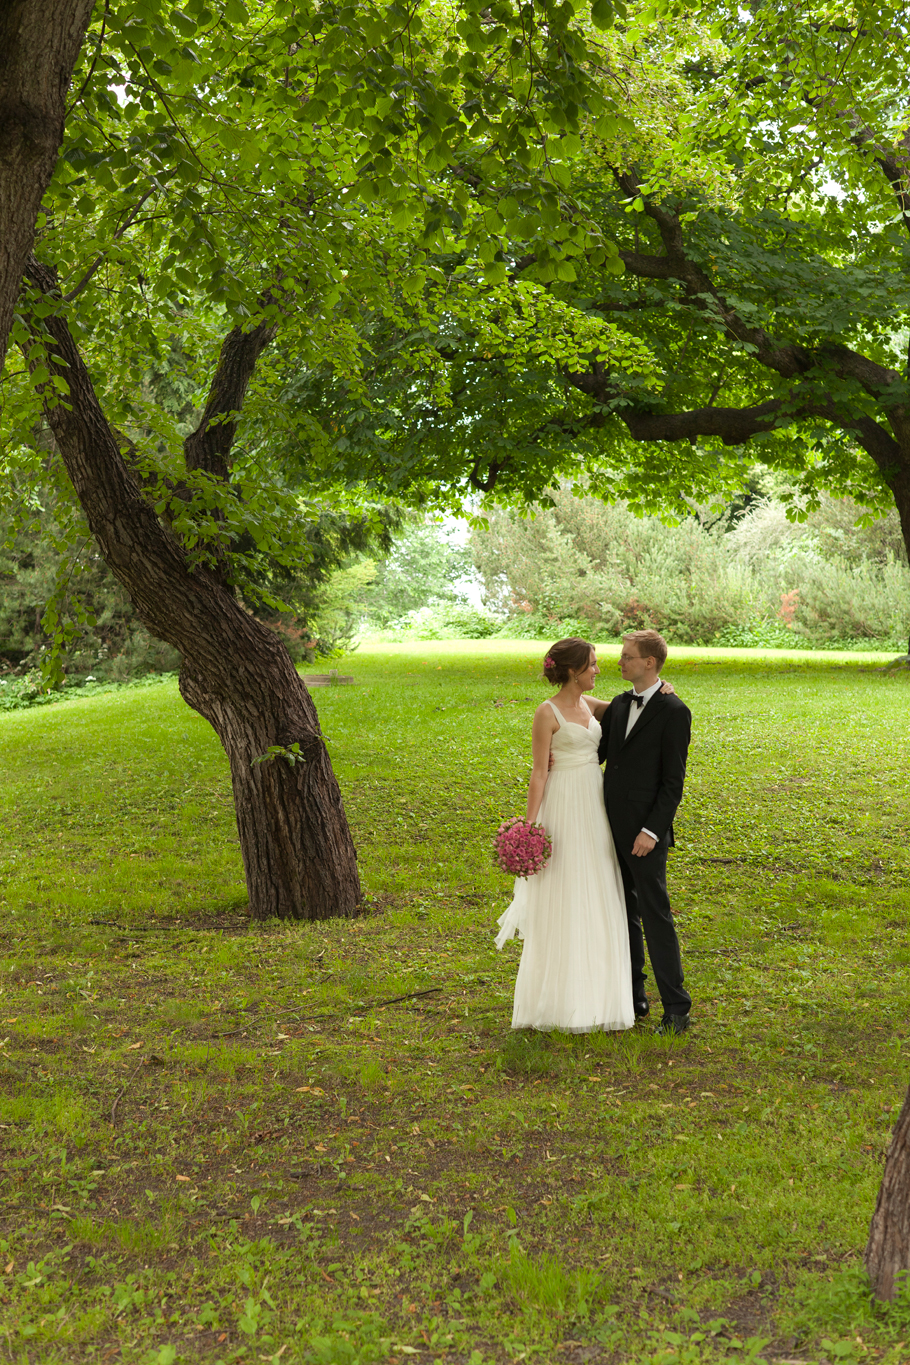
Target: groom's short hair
(650, 645)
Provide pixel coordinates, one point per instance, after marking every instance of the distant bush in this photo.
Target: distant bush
(756, 634)
(107, 642)
(445, 621)
(840, 600)
(22, 693)
(764, 580)
(539, 626)
(338, 611)
(18, 694)
(417, 590)
(597, 564)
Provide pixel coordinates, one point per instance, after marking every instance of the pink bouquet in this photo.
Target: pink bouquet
(520, 848)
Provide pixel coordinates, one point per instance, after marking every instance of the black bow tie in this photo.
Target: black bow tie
(634, 697)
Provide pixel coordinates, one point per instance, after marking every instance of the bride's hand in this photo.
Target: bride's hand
(668, 690)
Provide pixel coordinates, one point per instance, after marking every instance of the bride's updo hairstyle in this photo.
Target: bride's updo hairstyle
(573, 653)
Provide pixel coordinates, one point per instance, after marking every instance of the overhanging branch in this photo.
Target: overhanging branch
(700, 292)
(736, 426)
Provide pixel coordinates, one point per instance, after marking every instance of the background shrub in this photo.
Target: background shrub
(748, 576)
(751, 577)
(445, 621)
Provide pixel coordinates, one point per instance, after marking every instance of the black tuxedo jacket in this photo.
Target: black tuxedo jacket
(644, 774)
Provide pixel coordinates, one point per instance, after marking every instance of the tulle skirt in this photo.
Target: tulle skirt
(574, 972)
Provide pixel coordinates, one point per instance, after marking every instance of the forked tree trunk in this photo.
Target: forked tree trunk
(888, 1248)
(297, 849)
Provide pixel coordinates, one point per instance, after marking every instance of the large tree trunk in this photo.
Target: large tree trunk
(897, 473)
(888, 1249)
(898, 478)
(39, 45)
(297, 849)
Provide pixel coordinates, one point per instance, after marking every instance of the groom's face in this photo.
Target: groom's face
(632, 666)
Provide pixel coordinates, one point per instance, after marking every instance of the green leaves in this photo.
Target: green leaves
(431, 197)
(494, 272)
(602, 12)
(291, 754)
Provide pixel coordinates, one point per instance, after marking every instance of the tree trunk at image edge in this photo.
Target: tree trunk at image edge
(888, 1249)
(297, 849)
(39, 46)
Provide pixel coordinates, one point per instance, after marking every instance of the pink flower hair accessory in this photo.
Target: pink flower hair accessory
(549, 662)
(521, 848)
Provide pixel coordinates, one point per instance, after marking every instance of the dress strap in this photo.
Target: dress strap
(556, 711)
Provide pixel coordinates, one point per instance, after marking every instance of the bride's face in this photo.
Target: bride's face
(585, 679)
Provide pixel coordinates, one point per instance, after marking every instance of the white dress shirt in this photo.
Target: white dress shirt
(634, 713)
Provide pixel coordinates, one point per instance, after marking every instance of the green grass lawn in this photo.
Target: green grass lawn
(225, 1143)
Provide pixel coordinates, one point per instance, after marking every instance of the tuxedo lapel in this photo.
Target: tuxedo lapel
(619, 717)
(647, 715)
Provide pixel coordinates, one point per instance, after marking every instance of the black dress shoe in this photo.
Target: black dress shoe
(673, 1023)
(641, 1008)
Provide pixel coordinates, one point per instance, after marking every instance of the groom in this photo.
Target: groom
(645, 745)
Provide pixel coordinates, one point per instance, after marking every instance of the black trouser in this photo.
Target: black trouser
(648, 908)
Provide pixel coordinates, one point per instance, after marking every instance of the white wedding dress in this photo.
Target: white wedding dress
(575, 972)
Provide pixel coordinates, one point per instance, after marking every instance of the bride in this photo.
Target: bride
(575, 973)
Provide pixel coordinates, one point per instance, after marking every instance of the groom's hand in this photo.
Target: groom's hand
(643, 845)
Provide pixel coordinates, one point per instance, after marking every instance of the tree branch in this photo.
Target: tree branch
(91, 70)
(790, 361)
(898, 172)
(892, 158)
(208, 448)
(118, 515)
(180, 602)
(494, 469)
(102, 256)
(736, 426)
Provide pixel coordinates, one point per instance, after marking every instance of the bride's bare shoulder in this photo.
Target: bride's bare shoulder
(544, 716)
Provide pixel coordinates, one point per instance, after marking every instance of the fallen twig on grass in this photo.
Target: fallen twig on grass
(266, 1133)
(411, 995)
(334, 1014)
(126, 1085)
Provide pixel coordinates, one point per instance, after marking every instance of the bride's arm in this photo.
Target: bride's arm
(599, 707)
(542, 732)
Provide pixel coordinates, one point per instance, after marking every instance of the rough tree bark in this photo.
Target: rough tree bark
(888, 1248)
(39, 45)
(297, 850)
